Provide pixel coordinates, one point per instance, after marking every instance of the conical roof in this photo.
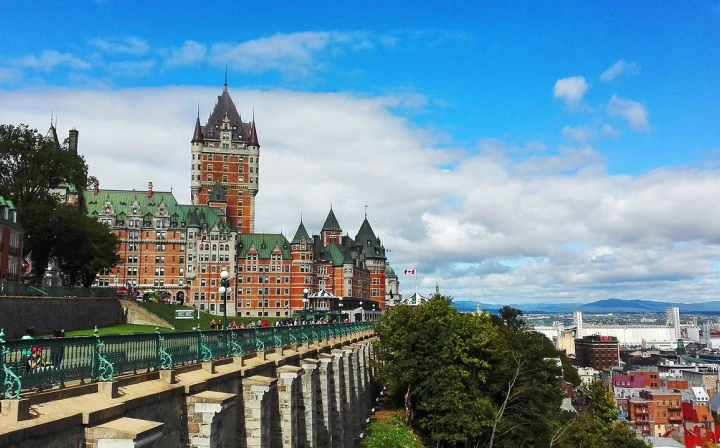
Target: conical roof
(197, 135)
(366, 236)
(218, 194)
(226, 107)
(253, 135)
(300, 234)
(331, 223)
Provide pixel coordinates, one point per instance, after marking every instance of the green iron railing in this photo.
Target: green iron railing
(43, 363)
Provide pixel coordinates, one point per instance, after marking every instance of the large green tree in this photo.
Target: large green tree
(475, 380)
(31, 166)
(83, 246)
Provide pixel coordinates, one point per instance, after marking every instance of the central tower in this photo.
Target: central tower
(225, 164)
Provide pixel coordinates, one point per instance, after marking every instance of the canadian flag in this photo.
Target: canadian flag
(410, 271)
(388, 250)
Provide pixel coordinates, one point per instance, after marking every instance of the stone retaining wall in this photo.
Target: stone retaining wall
(47, 314)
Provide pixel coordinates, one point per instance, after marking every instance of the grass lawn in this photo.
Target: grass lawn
(167, 313)
(117, 329)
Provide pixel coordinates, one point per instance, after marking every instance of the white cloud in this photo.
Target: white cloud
(527, 225)
(296, 53)
(7, 75)
(619, 68)
(571, 89)
(584, 133)
(190, 53)
(131, 68)
(633, 112)
(134, 46)
(48, 60)
(579, 134)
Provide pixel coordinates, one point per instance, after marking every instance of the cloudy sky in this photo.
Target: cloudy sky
(514, 152)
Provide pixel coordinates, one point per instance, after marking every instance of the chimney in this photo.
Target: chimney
(73, 141)
(150, 189)
(96, 188)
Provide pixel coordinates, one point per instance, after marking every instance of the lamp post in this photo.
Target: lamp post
(223, 289)
(305, 299)
(362, 312)
(373, 314)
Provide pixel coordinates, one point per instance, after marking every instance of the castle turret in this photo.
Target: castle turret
(196, 168)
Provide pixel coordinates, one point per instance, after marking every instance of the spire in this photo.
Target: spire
(253, 140)
(197, 135)
(225, 85)
(331, 223)
(437, 288)
(365, 211)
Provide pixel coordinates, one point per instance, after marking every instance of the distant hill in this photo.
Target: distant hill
(601, 306)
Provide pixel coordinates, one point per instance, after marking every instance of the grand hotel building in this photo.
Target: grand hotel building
(182, 249)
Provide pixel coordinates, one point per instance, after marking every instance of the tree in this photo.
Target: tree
(598, 427)
(31, 166)
(471, 380)
(438, 357)
(83, 246)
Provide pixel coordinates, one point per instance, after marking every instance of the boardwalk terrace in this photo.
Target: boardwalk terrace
(312, 391)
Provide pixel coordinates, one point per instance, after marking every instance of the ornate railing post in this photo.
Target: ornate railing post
(10, 382)
(164, 358)
(204, 352)
(103, 369)
(236, 348)
(277, 341)
(259, 344)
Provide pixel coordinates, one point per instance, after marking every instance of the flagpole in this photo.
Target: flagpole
(415, 272)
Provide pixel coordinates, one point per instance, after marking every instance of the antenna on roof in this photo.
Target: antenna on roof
(225, 78)
(170, 188)
(365, 211)
(51, 116)
(198, 110)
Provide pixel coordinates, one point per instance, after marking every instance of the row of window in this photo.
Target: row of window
(225, 169)
(209, 178)
(135, 247)
(209, 157)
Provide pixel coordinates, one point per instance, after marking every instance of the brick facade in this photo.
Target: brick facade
(11, 242)
(598, 352)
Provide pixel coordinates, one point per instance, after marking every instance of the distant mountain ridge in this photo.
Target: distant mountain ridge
(601, 306)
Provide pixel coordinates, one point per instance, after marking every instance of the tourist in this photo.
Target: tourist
(58, 351)
(212, 324)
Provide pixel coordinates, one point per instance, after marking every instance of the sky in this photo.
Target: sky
(512, 151)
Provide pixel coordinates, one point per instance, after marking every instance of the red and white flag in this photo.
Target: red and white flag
(410, 271)
(388, 250)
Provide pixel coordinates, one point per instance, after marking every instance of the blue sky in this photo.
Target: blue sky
(605, 88)
(489, 66)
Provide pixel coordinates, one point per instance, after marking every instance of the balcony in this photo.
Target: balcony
(641, 410)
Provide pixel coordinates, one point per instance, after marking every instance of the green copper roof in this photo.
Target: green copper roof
(126, 203)
(389, 272)
(337, 255)
(300, 234)
(331, 223)
(264, 243)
